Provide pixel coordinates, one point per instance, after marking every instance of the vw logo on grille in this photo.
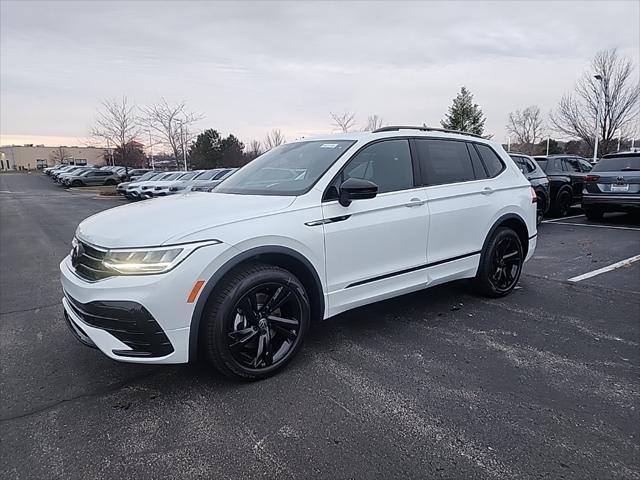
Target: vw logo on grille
(76, 253)
(620, 179)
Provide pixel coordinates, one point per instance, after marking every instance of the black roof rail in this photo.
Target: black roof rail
(393, 128)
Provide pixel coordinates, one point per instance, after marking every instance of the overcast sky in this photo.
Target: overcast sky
(250, 67)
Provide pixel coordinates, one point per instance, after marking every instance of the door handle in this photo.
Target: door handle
(415, 202)
(487, 191)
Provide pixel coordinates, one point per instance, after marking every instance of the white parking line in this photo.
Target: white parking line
(616, 227)
(613, 266)
(563, 218)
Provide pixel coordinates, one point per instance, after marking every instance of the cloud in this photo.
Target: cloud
(252, 66)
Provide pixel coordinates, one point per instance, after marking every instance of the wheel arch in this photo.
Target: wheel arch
(515, 222)
(277, 255)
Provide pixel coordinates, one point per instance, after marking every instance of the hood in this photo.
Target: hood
(155, 222)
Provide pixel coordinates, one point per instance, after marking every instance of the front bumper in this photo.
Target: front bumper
(141, 318)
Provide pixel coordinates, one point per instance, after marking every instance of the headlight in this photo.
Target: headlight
(140, 261)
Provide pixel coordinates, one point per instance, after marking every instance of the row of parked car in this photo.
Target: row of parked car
(562, 181)
(138, 184)
(88, 175)
(160, 184)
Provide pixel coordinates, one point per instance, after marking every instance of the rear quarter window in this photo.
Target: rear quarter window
(492, 162)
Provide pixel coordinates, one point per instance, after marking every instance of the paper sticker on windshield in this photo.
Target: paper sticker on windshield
(329, 145)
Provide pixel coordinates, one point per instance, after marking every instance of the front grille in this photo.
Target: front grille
(87, 262)
(129, 322)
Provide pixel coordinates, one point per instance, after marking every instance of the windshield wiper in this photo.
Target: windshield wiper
(630, 169)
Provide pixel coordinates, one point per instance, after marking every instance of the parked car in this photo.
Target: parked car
(612, 186)
(59, 177)
(162, 189)
(566, 178)
(136, 173)
(62, 169)
(206, 177)
(91, 178)
(538, 179)
(134, 190)
(237, 276)
(121, 188)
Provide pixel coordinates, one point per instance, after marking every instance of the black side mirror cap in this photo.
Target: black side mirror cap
(356, 189)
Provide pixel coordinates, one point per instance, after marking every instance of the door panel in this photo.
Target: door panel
(376, 247)
(367, 251)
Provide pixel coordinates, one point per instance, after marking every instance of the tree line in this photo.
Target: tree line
(607, 95)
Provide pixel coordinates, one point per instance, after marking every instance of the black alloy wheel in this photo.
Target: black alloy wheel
(255, 321)
(500, 264)
(506, 264)
(563, 204)
(264, 325)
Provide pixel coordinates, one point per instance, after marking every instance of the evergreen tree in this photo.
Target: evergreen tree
(464, 115)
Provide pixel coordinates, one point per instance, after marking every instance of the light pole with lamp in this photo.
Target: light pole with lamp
(599, 101)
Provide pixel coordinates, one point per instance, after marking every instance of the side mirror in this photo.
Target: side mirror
(356, 189)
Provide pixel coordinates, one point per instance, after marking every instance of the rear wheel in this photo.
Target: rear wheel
(562, 204)
(110, 182)
(594, 213)
(500, 264)
(255, 322)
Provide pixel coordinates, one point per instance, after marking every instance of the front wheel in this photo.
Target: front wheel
(255, 322)
(110, 182)
(500, 264)
(76, 183)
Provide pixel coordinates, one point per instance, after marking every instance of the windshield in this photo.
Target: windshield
(290, 169)
(83, 173)
(618, 164)
(207, 175)
(170, 176)
(188, 176)
(148, 176)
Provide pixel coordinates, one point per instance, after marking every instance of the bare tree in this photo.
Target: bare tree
(273, 139)
(617, 93)
(172, 124)
(117, 124)
(526, 127)
(59, 155)
(255, 149)
(343, 121)
(374, 122)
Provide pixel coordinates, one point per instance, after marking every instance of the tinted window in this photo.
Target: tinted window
(542, 163)
(584, 165)
(529, 165)
(387, 164)
(618, 164)
(444, 161)
(478, 167)
(491, 160)
(572, 165)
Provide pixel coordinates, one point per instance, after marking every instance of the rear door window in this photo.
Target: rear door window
(444, 161)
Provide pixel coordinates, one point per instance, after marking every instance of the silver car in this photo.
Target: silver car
(91, 178)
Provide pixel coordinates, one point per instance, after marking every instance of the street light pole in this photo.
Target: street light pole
(548, 138)
(508, 144)
(153, 167)
(595, 145)
(184, 146)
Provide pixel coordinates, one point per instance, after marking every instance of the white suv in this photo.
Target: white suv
(237, 276)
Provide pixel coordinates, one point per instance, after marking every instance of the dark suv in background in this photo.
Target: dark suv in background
(613, 185)
(566, 175)
(538, 179)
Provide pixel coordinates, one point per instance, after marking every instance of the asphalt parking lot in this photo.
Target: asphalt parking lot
(438, 384)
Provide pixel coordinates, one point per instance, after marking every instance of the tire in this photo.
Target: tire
(539, 217)
(489, 282)
(560, 207)
(76, 183)
(110, 182)
(225, 324)
(594, 214)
